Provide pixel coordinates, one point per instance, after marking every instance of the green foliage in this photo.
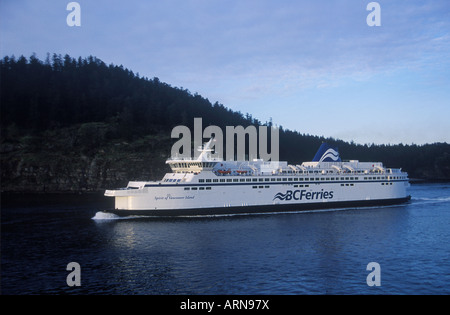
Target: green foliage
(38, 96)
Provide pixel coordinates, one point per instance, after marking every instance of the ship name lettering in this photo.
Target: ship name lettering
(303, 194)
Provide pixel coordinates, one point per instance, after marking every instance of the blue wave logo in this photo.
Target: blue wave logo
(281, 196)
(326, 153)
(330, 154)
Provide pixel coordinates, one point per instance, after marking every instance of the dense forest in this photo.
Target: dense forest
(80, 125)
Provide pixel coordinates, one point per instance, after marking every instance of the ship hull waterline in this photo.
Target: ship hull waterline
(260, 209)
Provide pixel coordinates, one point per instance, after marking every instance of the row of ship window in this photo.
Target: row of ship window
(353, 184)
(212, 164)
(266, 186)
(254, 187)
(235, 180)
(195, 188)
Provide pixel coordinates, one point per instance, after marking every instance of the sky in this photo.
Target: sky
(316, 67)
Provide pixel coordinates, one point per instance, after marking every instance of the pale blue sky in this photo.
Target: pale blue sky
(313, 66)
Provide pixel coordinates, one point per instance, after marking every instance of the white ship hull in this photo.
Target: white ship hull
(208, 187)
(164, 200)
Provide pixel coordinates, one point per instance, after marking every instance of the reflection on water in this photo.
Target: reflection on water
(298, 253)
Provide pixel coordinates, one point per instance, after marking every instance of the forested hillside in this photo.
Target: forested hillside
(80, 125)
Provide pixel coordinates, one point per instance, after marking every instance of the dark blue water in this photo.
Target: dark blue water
(298, 253)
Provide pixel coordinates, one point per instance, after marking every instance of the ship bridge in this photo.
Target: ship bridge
(204, 162)
(190, 166)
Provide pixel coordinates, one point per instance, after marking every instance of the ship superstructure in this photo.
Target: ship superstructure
(209, 186)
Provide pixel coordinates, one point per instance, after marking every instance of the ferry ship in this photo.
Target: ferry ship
(212, 186)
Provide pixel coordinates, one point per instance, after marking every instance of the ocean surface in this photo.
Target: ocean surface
(325, 252)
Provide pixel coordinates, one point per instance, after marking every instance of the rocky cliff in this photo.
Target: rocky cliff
(69, 160)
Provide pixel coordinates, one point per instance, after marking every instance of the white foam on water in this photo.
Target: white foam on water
(101, 215)
(437, 199)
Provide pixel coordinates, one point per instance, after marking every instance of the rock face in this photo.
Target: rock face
(54, 163)
(63, 174)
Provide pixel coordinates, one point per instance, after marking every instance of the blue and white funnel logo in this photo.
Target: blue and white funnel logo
(327, 153)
